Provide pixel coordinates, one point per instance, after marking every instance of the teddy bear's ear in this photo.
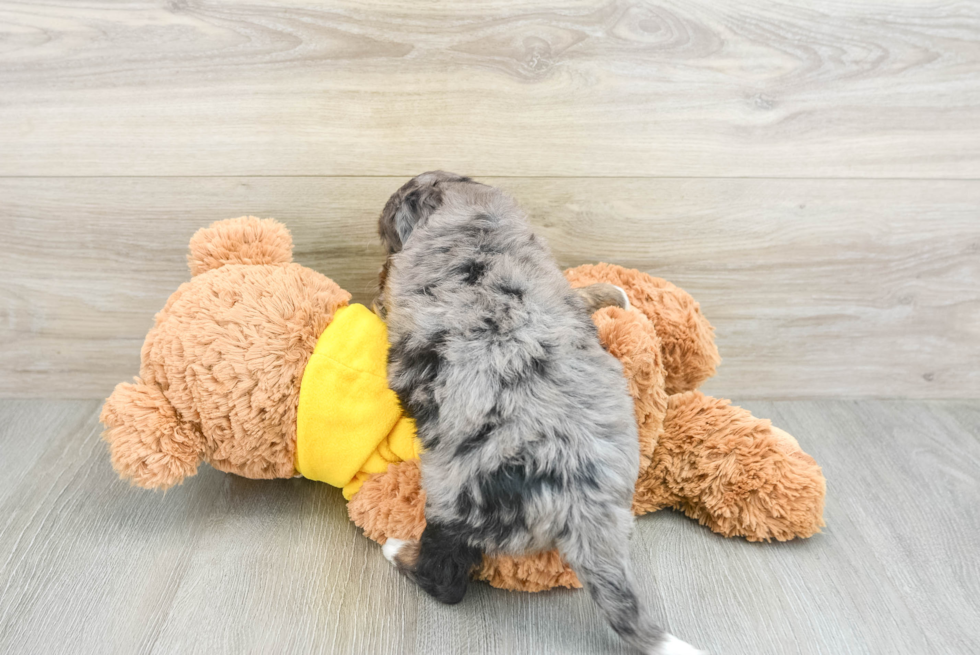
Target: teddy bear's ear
(149, 444)
(245, 240)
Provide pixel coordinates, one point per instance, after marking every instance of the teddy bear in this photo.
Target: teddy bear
(263, 368)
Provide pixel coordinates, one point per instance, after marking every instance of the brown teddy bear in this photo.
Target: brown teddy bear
(262, 368)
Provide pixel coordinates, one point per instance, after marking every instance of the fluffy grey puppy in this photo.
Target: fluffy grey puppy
(528, 428)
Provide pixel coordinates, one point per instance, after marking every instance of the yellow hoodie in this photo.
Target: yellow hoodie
(349, 423)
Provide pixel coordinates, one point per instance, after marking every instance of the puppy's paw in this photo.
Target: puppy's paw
(602, 294)
(671, 645)
(403, 554)
(625, 300)
(391, 548)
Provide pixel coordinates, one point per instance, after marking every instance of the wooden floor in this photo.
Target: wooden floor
(228, 565)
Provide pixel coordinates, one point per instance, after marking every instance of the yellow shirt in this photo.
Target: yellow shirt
(349, 423)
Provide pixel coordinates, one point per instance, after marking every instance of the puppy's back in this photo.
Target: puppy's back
(527, 425)
(497, 359)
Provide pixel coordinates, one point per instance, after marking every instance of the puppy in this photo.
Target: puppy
(527, 426)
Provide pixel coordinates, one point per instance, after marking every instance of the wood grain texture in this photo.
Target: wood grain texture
(227, 565)
(816, 287)
(89, 564)
(758, 88)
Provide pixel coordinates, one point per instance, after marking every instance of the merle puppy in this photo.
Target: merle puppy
(528, 428)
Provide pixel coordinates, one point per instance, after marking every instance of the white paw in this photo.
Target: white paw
(626, 299)
(671, 645)
(391, 548)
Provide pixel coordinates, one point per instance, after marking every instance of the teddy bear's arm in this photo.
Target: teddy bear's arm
(391, 505)
(687, 338)
(733, 472)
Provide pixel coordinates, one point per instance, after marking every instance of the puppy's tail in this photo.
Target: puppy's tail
(598, 553)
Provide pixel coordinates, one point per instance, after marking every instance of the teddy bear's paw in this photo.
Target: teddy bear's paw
(671, 645)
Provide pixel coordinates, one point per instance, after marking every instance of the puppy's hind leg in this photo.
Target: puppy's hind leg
(440, 562)
(596, 547)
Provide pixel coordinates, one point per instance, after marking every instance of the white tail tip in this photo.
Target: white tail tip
(671, 645)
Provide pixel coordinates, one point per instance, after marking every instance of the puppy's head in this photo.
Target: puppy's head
(411, 205)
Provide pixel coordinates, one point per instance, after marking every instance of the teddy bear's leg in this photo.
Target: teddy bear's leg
(537, 572)
(149, 444)
(733, 472)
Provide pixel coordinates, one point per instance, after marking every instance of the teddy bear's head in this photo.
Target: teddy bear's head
(221, 368)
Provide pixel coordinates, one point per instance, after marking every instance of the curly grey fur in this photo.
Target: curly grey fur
(528, 427)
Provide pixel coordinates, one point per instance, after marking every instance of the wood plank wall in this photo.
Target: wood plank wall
(811, 175)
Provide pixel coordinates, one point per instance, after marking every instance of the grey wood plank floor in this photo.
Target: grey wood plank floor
(228, 565)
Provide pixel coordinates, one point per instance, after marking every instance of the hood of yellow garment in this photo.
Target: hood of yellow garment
(349, 423)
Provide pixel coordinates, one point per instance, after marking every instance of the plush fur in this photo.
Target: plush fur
(528, 428)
